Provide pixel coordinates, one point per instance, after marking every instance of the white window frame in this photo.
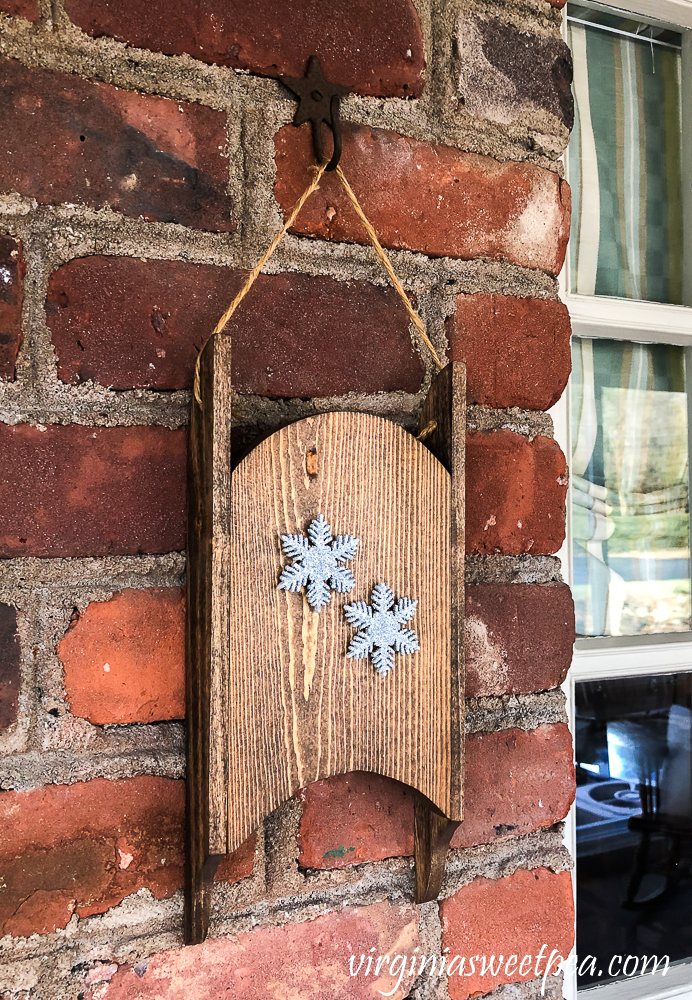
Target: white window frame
(647, 322)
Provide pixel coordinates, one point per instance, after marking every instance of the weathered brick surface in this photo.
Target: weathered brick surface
(84, 847)
(89, 491)
(239, 864)
(516, 350)
(128, 323)
(21, 8)
(352, 818)
(515, 915)
(444, 203)
(122, 319)
(507, 73)
(515, 782)
(519, 639)
(124, 659)
(294, 961)
(10, 675)
(515, 497)
(12, 271)
(70, 140)
(374, 50)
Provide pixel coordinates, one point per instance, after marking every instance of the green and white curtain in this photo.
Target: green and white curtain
(624, 168)
(629, 486)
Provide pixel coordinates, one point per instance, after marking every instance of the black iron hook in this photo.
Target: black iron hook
(319, 102)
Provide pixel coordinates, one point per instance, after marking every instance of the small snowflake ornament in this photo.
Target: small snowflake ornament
(380, 631)
(316, 562)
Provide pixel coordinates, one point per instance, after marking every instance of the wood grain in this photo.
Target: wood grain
(272, 702)
(299, 710)
(432, 834)
(445, 406)
(443, 415)
(207, 633)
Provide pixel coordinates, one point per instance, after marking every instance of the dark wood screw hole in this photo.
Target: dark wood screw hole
(311, 463)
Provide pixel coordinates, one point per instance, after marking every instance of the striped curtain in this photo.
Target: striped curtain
(624, 168)
(629, 487)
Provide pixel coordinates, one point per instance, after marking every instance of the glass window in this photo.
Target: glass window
(629, 488)
(633, 822)
(625, 157)
(624, 425)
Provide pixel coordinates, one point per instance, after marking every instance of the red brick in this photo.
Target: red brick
(12, 271)
(515, 915)
(515, 495)
(435, 199)
(238, 865)
(352, 818)
(21, 8)
(10, 666)
(91, 491)
(519, 638)
(68, 140)
(375, 50)
(516, 350)
(84, 847)
(295, 961)
(132, 324)
(124, 659)
(515, 782)
(511, 75)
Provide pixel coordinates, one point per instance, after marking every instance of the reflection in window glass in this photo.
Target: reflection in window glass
(624, 159)
(634, 820)
(629, 476)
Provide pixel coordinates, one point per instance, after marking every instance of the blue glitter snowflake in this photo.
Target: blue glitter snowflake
(316, 562)
(380, 631)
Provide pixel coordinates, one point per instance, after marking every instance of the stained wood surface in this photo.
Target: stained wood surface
(443, 420)
(272, 702)
(298, 709)
(432, 835)
(207, 633)
(445, 407)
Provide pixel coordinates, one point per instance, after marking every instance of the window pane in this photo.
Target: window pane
(629, 479)
(624, 161)
(634, 823)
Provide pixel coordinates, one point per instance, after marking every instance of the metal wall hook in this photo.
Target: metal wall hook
(319, 102)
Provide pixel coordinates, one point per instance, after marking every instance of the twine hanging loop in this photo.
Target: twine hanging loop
(314, 184)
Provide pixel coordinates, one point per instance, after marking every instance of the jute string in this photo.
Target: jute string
(427, 430)
(387, 264)
(372, 236)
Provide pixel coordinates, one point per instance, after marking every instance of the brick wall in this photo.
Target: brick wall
(147, 157)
